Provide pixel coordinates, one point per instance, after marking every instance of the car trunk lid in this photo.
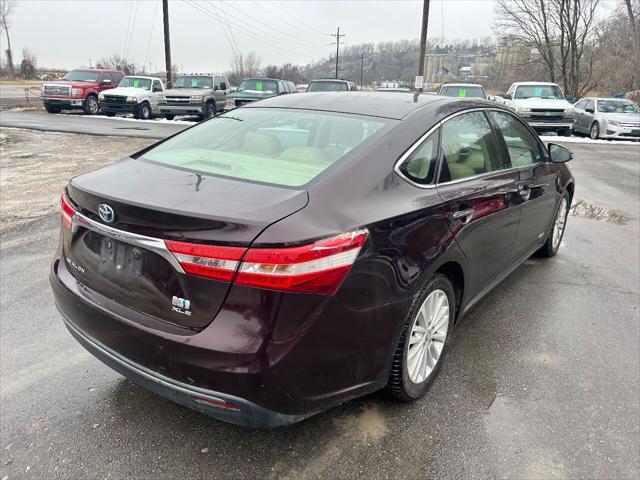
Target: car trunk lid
(126, 259)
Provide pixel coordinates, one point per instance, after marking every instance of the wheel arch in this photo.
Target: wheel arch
(455, 273)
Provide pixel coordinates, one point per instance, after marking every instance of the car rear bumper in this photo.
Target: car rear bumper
(216, 404)
(118, 107)
(66, 103)
(182, 109)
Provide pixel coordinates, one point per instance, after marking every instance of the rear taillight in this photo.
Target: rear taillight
(319, 267)
(67, 210)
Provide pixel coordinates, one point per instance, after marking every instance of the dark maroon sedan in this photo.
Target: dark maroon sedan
(298, 252)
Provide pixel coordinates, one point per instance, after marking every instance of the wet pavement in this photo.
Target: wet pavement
(541, 381)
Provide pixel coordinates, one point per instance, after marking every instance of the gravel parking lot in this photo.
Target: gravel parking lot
(542, 380)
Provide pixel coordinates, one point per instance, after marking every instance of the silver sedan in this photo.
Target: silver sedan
(607, 118)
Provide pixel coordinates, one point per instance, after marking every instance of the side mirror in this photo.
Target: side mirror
(507, 96)
(223, 86)
(589, 109)
(559, 154)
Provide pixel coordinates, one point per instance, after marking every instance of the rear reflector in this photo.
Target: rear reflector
(66, 210)
(319, 267)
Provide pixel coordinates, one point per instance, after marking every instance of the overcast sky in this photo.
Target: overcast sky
(66, 33)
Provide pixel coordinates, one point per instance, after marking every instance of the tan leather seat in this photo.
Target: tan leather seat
(261, 144)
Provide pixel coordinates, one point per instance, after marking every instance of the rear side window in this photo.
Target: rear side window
(522, 146)
(468, 148)
(276, 146)
(117, 76)
(420, 166)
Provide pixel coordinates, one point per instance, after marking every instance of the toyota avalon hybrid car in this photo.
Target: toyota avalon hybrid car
(285, 257)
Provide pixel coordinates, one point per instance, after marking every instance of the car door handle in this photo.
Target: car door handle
(465, 215)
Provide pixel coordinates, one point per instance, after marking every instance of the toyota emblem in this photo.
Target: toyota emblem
(106, 213)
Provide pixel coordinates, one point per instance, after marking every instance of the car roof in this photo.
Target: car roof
(375, 104)
(606, 98)
(142, 76)
(535, 83)
(330, 80)
(456, 84)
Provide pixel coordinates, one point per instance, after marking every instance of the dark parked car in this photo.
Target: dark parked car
(282, 258)
(252, 89)
(332, 85)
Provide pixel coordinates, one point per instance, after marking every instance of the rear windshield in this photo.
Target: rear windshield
(258, 86)
(193, 82)
(276, 146)
(462, 91)
(81, 76)
(327, 87)
(135, 83)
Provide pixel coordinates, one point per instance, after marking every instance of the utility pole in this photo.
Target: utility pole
(337, 35)
(423, 39)
(167, 42)
(361, 69)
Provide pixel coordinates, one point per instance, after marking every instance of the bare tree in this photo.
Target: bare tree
(244, 65)
(6, 10)
(118, 62)
(29, 64)
(562, 32)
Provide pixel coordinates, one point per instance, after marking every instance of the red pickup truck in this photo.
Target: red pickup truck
(79, 89)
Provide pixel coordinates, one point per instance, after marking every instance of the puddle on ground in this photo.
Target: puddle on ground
(584, 209)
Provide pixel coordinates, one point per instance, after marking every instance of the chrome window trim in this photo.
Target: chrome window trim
(424, 137)
(155, 245)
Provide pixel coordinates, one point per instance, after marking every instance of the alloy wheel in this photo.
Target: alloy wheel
(595, 131)
(428, 335)
(93, 105)
(559, 224)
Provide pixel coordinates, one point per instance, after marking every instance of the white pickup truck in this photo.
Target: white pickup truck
(138, 95)
(542, 105)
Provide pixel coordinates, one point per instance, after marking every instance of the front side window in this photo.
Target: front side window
(538, 91)
(468, 147)
(581, 104)
(193, 81)
(420, 166)
(522, 146)
(590, 105)
(157, 87)
(216, 82)
(276, 146)
(135, 82)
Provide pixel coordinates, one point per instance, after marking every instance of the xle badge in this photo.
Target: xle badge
(181, 305)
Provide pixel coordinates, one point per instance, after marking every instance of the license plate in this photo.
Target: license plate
(119, 261)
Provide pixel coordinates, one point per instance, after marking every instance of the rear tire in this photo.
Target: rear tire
(143, 112)
(210, 111)
(558, 227)
(91, 105)
(565, 132)
(110, 114)
(51, 109)
(169, 117)
(594, 133)
(425, 332)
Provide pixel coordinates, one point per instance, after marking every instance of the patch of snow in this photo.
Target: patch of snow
(574, 139)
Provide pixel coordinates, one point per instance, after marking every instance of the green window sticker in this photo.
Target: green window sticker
(462, 92)
(194, 83)
(538, 91)
(258, 85)
(136, 82)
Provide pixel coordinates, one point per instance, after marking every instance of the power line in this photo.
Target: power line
(264, 40)
(290, 8)
(153, 23)
(133, 25)
(126, 32)
(228, 35)
(233, 38)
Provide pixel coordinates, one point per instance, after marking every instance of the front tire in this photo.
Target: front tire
(594, 133)
(144, 111)
(565, 132)
(51, 109)
(423, 341)
(169, 117)
(110, 114)
(91, 105)
(210, 111)
(554, 237)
